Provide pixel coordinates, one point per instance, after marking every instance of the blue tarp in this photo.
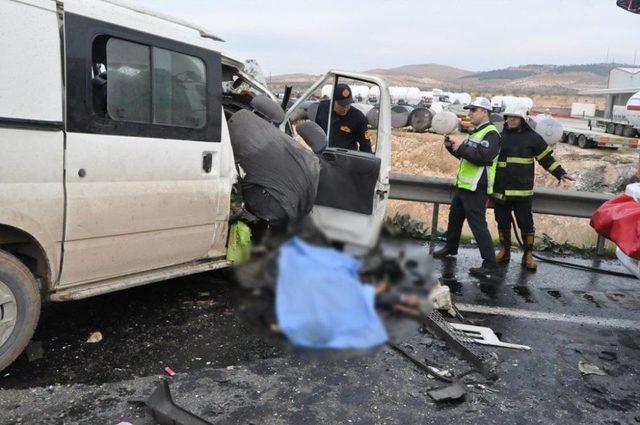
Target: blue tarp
(321, 302)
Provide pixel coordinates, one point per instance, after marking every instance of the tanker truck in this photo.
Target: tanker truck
(621, 131)
(405, 95)
(625, 120)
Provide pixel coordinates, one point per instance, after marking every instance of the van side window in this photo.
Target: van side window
(151, 85)
(128, 81)
(179, 89)
(123, 82)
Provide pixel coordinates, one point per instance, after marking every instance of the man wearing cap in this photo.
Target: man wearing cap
(474, 181)
(513, 187)
(348, 125)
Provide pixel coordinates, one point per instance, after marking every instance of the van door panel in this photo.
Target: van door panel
(142, 204)
(355, 173)
(152, 219)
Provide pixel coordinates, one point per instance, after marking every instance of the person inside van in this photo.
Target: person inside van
(349, 126)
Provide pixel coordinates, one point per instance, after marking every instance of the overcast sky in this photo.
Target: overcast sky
(288, 36)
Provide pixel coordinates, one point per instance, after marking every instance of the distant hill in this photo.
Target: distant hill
(431, 70)
(424, 76)
(295, 77)
(524, 79)
(523, 71)
(501, 74)
(542, 78)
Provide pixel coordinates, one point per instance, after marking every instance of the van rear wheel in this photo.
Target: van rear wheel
(19, 307)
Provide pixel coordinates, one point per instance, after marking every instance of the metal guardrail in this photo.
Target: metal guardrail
(568, 203)
(438, 191)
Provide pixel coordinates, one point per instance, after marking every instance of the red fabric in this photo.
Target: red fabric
(619, 220)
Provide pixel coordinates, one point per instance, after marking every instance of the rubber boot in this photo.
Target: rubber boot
(504, 254)
(443, 252)
(527, 258)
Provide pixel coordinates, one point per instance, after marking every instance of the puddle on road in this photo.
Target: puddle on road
(554, 293)
(557, 295)
(592, 300)
(525, 293)
(489, 289)
(615, 296)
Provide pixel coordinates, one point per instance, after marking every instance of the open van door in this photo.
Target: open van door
(354, 185)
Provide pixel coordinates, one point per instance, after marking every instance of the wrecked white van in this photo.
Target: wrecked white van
(117, 164)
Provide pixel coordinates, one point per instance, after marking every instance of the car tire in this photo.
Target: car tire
(20, 304)
(572, 139)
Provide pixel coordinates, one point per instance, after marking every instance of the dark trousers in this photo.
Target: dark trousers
(522, 210)
(472, 207)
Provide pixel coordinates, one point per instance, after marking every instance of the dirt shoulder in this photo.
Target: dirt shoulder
(595, 170)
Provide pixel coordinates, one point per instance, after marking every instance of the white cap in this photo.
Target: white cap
(480, 102)
(515, 111)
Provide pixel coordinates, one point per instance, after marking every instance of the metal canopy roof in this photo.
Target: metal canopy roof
(628, 90)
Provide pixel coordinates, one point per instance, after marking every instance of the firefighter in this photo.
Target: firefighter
(513, 187)
(474, 181)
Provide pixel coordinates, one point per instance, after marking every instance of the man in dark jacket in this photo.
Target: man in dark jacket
(348, 125)
(474, 181)
(513, 188)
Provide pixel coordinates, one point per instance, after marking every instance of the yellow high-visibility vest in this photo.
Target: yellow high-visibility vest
(469, 173)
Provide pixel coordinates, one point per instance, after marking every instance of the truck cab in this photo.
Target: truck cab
(118, 166)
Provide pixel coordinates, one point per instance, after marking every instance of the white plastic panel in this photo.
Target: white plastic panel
(633, 190)
(31, 66)
(31, 192)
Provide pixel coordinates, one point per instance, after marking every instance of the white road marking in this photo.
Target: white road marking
(542, 315)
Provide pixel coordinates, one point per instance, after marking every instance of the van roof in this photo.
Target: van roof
(123, 13)
(138, 9)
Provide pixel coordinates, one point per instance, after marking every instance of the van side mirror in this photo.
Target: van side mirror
(632, 6)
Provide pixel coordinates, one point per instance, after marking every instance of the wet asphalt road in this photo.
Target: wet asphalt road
(230, 372)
